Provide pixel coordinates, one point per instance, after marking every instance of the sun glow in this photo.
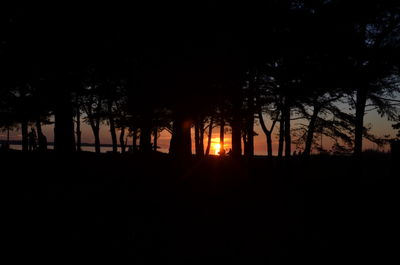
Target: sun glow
(217, 148)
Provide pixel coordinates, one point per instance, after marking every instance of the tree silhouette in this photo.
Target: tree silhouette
(288, 60)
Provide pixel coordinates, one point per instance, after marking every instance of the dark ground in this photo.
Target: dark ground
(129, 209)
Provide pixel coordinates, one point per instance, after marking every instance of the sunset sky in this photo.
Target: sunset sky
(380, 127)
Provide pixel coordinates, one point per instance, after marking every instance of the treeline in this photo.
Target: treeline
(144, 69)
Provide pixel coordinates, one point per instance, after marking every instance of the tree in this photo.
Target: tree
(92, 104)
(199, 129)
(397, 127)
(371, 53)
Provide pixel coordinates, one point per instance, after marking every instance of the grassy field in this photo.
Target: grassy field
(130, 209)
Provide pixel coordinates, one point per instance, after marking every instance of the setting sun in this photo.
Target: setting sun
(217, 148)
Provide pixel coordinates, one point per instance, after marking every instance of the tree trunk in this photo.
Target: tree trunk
(112, 128)
(281, 136)
(359, 120)
(8, 137)
(155, 135)
(78, 128)
(269, 144)
(201, 137)
(244, 137)
(268, 133)
(310, 132)
(210, 128)
(288, 140)
(145, 145)
(222, 135)
(64, 135)
(113, 135)
(24, 132)
(39, 133)
(121, 139)
(145, 138)
(181, 142)
(134, 140)
(197, 137)
(96, 134)
(39, 127)
(42, 140)
(237, 127)
(249, 148)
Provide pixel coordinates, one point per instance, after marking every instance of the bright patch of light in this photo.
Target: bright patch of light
(217, 148)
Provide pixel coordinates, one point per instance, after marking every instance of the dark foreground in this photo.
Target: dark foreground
(91, 209)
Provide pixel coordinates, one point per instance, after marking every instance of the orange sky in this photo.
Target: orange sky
(380, 127)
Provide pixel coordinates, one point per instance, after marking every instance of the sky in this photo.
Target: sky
(380, 127)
